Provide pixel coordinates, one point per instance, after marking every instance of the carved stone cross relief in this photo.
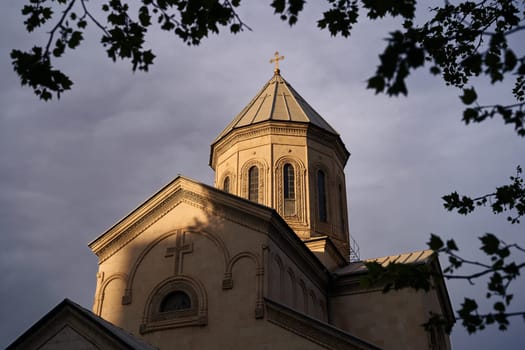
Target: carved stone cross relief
(178, 251)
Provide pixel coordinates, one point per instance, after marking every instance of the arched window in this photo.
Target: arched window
(321, 195)
(253, 184)
(226, 184)
(289, 182)
(175, 301)
(289, 189)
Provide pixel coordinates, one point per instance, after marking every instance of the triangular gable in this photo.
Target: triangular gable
(181, 189)
(68, 325)
(236, 209)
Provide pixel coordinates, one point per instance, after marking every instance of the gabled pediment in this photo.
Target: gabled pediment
(215, 203)
(182, 190)
(70, 326)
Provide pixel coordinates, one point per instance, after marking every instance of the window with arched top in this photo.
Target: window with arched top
(289, 189)
(226, 185)
(175, 301)
(321, 196)
(253, 184)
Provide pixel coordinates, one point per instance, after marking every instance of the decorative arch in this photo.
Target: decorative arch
(290, 275)
(280, 267)
(313, 301)
(228, 174)
(102, 290)
(322, 309)
(195, 314)
(284, 205)
(342, 205)
(302, 287)
(243, 255)
(323, 196)
(127, 297)
(262, 171)
(259, 275)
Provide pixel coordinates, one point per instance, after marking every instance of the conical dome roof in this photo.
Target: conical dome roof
(277, 101)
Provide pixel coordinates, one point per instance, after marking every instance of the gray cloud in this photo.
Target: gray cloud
(71, 168)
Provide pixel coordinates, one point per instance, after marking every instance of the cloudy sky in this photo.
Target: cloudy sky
(72, 168)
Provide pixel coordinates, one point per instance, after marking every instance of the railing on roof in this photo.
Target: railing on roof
(354, 250)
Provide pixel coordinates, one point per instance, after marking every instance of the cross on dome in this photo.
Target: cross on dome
(276, 60)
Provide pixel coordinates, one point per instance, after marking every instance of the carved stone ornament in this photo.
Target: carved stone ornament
(195, 314)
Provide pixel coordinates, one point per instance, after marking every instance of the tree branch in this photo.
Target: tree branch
(57, 26)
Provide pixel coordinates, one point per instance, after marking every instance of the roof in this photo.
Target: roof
(418, 257)
(126, 339)
(277, 101)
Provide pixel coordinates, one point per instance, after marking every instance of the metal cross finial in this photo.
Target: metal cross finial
(276, 59)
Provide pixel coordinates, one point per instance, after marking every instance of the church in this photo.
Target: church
(261, 260)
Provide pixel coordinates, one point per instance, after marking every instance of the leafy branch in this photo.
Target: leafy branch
(505, 198)
(504, 265)
(501, 272)
(122, 35)
(460, 42)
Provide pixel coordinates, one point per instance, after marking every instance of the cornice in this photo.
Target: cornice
(329, 140)
(314, 330)
(284, 237)
(306, 130)
(254, 131)
(329, 247)
(350, 284)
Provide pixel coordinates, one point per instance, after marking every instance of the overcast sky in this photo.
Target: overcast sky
(71, 168)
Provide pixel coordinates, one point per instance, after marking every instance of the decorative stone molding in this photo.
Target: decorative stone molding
(299, 216)
(233, 181)
(319, 225)
(140, 225)
(331, 141)
(217, 241)
(227, 282)
(314, 330)
(256, 131)
(302, 287)
(291, 276)
(244, 179)
(196, 315)
(303, 258)
(98, 295)
(104, 282)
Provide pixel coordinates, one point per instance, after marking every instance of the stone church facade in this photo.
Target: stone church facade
(261, 260)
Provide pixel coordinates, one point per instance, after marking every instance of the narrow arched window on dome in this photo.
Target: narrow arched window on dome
(289, 190)
(226, 185)
(321, 195)
(253, 184)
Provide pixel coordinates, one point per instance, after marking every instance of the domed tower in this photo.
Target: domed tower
(279, 152)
